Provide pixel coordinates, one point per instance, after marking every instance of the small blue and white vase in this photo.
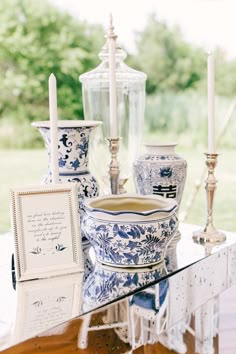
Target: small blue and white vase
(73, 149)
(160, 171)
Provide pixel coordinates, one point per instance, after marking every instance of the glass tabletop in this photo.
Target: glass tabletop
(30, 308)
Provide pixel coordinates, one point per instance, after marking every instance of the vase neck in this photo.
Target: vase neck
(73, 145)
(160, 149)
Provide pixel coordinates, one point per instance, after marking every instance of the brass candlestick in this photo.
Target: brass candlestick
(114, 169)
(210, 233)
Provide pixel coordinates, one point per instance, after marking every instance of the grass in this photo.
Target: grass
(169, 114)
(18, 168)
(26, 167)
(225, 201)
(185, 114)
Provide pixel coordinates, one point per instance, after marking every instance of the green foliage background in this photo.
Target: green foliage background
(37, 39)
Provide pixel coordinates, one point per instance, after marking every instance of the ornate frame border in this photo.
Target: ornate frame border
(76, 264)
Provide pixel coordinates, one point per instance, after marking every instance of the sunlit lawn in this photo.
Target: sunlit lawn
(18, 167)
(225, 196)
(24, 167)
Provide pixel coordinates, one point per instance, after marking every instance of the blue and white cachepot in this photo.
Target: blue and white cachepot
(106, 283)
(160, 171)
(130, 230)
(73, 149)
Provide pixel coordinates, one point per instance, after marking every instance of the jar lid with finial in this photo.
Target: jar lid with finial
(130, 105)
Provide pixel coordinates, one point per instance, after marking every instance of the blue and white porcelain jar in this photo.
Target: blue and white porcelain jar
(160, 171)
(73, 149)
(129, 230)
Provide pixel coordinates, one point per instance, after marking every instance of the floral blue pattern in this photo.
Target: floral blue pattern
(61, 162)
(164, 175)
(36, 250)
(73, 147)
(166, 172)
(60, 247)
(75, 164)
(129, 244)
(105, 284)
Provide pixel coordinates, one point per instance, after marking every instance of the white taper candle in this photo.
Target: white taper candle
(52, 86)
(211, 103)
(112, 82)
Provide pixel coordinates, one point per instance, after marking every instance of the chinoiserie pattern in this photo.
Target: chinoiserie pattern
(130, 244)
(160, 174)
(73, 151)
(73, 159)
(105, 284)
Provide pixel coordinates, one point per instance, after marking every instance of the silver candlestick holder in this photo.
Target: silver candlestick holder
(210, 233)
(114, 169)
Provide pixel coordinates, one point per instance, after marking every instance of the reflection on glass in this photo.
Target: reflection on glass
(141, 319)
(149, 313)
(45, 303)
(105, 283)
(161, 299)
(144, 318)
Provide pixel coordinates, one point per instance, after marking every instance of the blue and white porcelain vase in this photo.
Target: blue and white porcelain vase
(73, 149)
(160, 171)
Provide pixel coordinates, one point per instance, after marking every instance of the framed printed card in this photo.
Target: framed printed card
(46, 230)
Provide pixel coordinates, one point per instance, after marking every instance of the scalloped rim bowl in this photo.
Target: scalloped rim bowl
(130, 207)
(130, 230)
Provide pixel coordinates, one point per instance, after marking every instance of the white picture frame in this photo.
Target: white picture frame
(46, 229)
(44, 303)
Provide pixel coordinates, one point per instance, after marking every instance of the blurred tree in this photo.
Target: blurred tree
(225, 74)
(35, 40)
(169, 61)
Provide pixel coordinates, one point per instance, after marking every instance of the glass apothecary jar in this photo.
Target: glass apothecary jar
(130, 90)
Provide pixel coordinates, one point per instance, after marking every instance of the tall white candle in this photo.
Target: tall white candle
(211, 103)
(52, 86)
(112, 82)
